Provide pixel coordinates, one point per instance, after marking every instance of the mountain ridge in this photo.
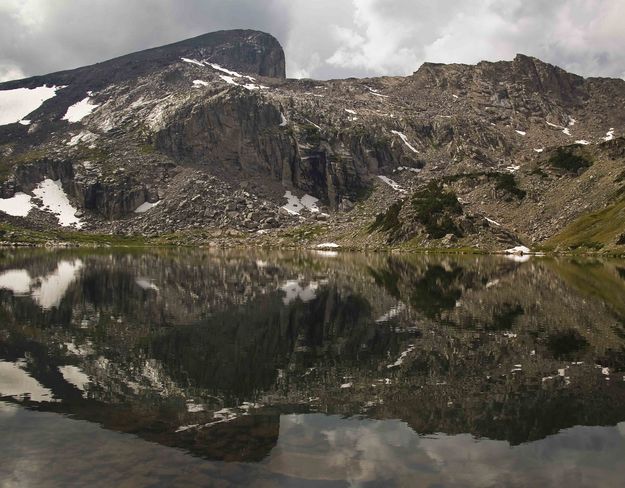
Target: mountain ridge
(209, 146)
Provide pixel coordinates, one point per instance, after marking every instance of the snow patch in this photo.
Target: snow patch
(199, 83)
(375, 92)
(521, 132)
(407, 168)
(295, 205)
(193, 61)
(79, 110)
(283, 121)
(609, 135)
(145, 206)
(18, 103)
(539, 150)
(84, 137)
(18, 206)
(349, 111)
(583, 142)
(405, 139)
(327, 245)
(493, 222)
(55, 200)
(566, 131)
(393, 184)
(518, 250)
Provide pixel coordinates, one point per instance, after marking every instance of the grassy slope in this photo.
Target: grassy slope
(594, 231)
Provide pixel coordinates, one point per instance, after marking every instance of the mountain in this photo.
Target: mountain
(206, 139)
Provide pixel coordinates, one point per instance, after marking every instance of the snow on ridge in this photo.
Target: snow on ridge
(193, 61)
(375, 92)
(405, 139)
(583, 142)
(393, 184)
(17, 206)
(18, 103)
(80, 110)
(55, 200)
(609, 135)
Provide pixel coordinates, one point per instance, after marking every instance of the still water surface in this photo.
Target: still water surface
(245, 368)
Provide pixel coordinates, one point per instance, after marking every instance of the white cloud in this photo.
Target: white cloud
(324, 38)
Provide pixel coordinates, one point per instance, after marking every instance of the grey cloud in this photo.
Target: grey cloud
(322, 38)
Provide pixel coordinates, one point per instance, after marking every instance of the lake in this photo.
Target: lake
(310, 369)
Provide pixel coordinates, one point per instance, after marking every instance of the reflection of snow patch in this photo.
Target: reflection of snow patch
(146, 284)
(75, 376)
(16, 382)
(294, 290)
(391, 314)
(402, 357)
(53, 287)
(16, 280)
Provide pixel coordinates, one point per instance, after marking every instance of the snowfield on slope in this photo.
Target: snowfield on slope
(80, 110)
(18, 103)
(55, 200)
(17, 206)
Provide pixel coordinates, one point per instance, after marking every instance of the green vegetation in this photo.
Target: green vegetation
(311, 133)
(434, 207)
(570, 159)
(593, 231)
(507, 183)
(15, 234)
(388, 220)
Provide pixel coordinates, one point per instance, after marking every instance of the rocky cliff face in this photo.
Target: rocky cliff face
(520, 143)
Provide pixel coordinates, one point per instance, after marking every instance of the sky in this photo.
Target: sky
(322, 38)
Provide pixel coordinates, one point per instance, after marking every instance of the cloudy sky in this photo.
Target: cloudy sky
(322, 38)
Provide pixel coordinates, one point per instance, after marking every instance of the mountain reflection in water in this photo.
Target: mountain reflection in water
(301, 369)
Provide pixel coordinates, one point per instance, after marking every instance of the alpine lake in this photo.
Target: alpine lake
(195, 368)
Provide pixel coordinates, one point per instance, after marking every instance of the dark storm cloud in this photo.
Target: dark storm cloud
(322, 38)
